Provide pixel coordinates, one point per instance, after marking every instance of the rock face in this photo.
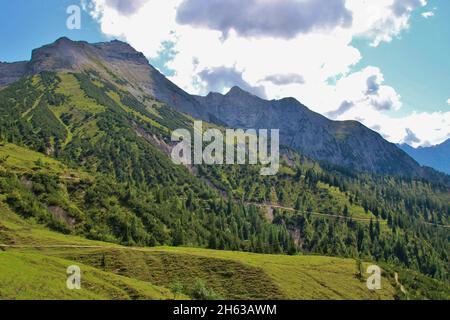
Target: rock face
(436, 157)
(11, 72)
(65, 54)
(346, 143)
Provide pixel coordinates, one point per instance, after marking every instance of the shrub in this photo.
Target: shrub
(201, 292)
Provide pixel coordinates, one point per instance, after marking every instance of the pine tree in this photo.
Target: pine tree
(345, 211)
(190, 201)
(359, 269)
(298, 204)
(178, 237)
(377, 228)
(371, 230)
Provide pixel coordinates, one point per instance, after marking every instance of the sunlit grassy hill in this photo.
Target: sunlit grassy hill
(86, 179)
(35, 268)
(34, 261)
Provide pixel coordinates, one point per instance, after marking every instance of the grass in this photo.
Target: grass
(115, 272)
(35, 104)
(14, 158)
(80, 107)
(34, 268)
(232, 275)
(69, 86)
(39, 257)
(228, 278)
(34, 272)
(25, 275)
(300, 277)
(19, 159)
(116, 98)
(355, 211)
(111, 268)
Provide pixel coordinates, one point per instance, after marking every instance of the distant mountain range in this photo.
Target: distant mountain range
(436, 157)
(344, 143)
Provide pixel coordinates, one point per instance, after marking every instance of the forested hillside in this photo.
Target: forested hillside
(113, 181)
(133, 193)
(36, 258)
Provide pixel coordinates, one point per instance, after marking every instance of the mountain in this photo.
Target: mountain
(120, 273)
(436, 157)
(84, 150)
(11, 72)
(346, 143)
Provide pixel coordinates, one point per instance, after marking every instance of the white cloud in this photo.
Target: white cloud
(126, 7)
(428, 128)
(365, 88)
(428, 14)
(145, 26)
(448, 101)
(312, 65)
(256, 18)
(381, 20)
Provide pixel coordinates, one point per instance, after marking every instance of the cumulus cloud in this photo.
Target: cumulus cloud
(146, 25)
(227, 43)
(448, 101)
(428, 14)
(428, 128)
(376, 127)
(343, 108)
(221, 79)
(276, 18)
(285, 79)
(382, 20)
(410, 137)
(126, 7)
(401, 7)
(373, 85)
(388, 100)
(364, 88)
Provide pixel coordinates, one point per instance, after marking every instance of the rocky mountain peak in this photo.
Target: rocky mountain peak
(236, 91)
(63, 54)
(118, 50)
(67, 55)
(347, 144)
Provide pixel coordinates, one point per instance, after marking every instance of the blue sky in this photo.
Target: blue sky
(417, 64)
(29, 24)
(413, 67)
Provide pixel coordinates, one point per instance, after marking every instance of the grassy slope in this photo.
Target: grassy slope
(116, 272)
(32, 275)
(19, 160)
(238, 275)
(39, 271)
(302, 277)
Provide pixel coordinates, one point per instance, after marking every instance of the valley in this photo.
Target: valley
(86, 179)
(109, 271)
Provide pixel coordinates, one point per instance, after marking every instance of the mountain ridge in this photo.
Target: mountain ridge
(347, 143)
(436, 157)
(101, 119)
(337, 142)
